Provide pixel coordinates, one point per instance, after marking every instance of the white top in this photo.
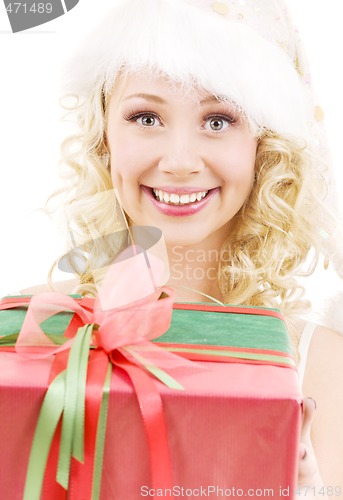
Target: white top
(304, 345)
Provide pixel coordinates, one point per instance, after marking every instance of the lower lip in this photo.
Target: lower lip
(180, 210)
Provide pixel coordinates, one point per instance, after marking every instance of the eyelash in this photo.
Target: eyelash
(227, 118)
(134, 116)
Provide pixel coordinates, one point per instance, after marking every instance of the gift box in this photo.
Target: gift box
(232, 431)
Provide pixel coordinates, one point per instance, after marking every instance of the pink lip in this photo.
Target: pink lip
(183, 190)
(180, 210)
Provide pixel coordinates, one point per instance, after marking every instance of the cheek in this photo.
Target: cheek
(128, 159)
(116, 177)
(239, 167)
(124, 162)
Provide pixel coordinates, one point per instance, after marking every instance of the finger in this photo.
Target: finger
(307, 467)
(302, 451)
(309, 409)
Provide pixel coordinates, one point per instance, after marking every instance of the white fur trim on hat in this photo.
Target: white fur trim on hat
(190, 43)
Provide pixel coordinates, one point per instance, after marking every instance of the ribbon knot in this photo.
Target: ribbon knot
(143, 321)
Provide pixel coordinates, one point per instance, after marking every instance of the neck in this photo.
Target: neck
(193, 271)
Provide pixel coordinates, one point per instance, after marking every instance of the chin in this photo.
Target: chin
(182, 238)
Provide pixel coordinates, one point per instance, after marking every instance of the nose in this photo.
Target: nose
(181, 156)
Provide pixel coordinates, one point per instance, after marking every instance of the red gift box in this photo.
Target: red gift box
(232, 432)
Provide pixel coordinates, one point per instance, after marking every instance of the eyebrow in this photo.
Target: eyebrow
(212, 98)
(148, 97)
(160, 100)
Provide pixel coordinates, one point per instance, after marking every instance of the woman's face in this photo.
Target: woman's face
(181, 162)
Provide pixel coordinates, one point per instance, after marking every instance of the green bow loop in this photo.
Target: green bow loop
(10, 340)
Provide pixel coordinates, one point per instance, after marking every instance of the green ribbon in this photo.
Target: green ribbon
(65, 397)
(157, 372)
(254, 356)
(10, 340)
(100, 437)
(72, 436)
(49, 417)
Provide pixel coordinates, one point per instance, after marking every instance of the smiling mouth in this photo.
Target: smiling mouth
(178, 199)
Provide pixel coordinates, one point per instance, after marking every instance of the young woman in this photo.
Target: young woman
(199, 117)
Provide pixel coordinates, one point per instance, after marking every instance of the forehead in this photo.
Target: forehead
(159, 88)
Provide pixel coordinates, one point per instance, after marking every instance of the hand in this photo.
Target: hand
(308, 472)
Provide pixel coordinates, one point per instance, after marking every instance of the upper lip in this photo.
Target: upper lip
(180, 190)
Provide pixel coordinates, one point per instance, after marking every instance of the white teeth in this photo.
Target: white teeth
(192, 197)
(184, 198)
(176, 199)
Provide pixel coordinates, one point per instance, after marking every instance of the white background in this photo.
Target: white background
(30, 132)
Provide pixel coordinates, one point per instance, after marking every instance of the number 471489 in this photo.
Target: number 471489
(35, 8)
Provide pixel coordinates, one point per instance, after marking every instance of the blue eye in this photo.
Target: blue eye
(218, 123)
